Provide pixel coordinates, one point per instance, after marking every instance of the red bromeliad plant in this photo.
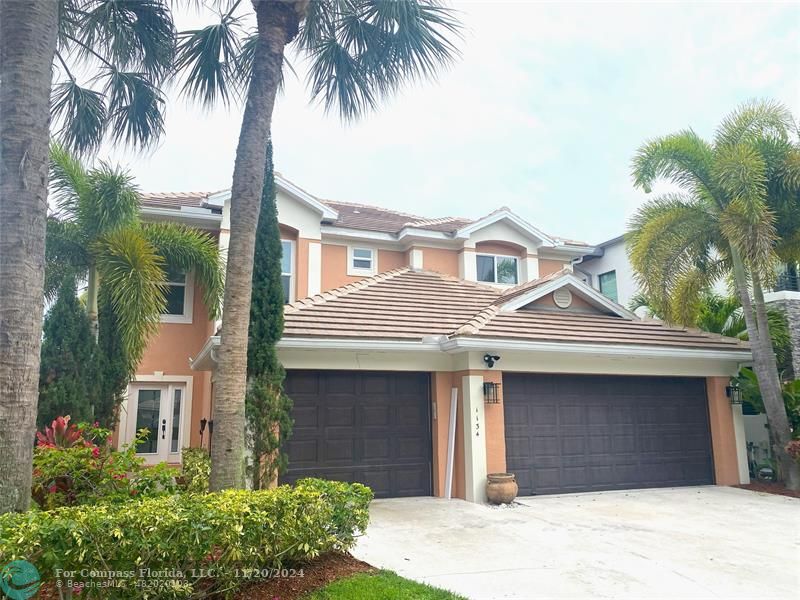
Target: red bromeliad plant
(60, 434)
(793, 449)
(78, 464)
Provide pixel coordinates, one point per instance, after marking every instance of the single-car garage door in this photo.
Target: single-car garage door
(573, 433)
(370, 427)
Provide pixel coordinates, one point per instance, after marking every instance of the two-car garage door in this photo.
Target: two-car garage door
(370, 427)
(571, 433)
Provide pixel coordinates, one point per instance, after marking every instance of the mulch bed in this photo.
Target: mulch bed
(317, 573)
(770, 488)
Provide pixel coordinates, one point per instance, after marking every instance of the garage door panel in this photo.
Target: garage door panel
(580, 433)
(369, 427)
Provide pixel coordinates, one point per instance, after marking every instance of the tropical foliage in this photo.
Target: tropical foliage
(726, 220)
(268, 408)
(194, 545)
(96, 235)
(790, 390)
(78, 464)
(67, 379)
(723, 315)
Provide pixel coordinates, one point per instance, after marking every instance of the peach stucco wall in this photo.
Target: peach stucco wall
(502, 248)
(440, 260)
(334, 265)
(547, 266)
(578, 304)
(723, 437)
(442, 384)
(169, 352)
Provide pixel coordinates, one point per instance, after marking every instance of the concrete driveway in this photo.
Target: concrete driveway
(700, 542)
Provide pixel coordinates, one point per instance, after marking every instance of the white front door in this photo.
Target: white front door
(159, 408)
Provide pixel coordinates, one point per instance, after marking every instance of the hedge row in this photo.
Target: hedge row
(185, 545)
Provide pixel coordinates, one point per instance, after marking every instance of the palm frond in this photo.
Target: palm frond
(69, 181)
(671, 239)
(363, 50)
(135, 35)
(131, 274)
(189, 249)
(82, 115)
(135, 109)
(683, 158)
(244, 64)
(65, 255)
(112, 204)
(208, 59)
(754, 119)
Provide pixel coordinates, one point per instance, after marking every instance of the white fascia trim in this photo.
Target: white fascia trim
(358, 234)
(206, 358)
(198, 217)
(570, 251)
(463, 344)
(589, 293)
(414, 232)
(288, 187)
(502, 215)
(782, 295)
(433, 344)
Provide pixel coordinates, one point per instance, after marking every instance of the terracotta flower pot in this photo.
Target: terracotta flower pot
(501, 488)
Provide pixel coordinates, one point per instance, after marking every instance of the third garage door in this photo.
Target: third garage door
(572, 433)
(370, 427)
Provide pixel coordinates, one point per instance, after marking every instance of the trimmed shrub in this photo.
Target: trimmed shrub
(75, 465)
(195, 470)
(185, 545)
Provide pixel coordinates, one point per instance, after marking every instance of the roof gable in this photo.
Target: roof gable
(515, 300)
(505, 215)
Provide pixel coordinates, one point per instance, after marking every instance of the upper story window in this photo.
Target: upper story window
(493, 268)
(361, 261)
(608, 285)
(287, 276)
(179, 297)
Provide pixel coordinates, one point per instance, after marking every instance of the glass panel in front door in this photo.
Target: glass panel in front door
(148, 416)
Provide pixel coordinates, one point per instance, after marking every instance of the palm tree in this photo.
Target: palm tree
(723, 221)
(124, 50)
(96, 235)
(27, 45)
(360, 52)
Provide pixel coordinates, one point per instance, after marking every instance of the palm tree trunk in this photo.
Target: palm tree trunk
(772, 394)
(28, 32)
(92, 291)
(277, 25)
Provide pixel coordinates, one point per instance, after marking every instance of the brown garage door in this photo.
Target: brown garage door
(573, 433)
(370, 427)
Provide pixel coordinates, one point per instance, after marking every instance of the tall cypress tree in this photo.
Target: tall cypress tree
(268, 407)
(67, 381)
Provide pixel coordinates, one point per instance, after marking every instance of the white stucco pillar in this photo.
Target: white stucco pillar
(467, 268)
(531, 268)
(415, 258)
(314, 268)
(474, 438)
(741, 443)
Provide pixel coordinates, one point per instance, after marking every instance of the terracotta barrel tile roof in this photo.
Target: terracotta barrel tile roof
(409, 305)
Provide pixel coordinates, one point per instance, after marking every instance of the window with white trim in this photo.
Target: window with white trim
(179, 296)
(361, 261)
(608, 285)
(287, 275)
(496, 268)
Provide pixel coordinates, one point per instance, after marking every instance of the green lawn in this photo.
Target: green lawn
(383, 585)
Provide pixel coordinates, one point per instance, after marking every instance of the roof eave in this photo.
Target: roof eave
(463, 344)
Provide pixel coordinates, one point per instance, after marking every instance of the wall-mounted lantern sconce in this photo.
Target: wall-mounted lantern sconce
(734, 392)
(490, 359)
(491, 392)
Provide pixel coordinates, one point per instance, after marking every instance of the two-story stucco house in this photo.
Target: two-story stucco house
(423, 353)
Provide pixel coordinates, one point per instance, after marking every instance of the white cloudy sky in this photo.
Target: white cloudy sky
(542, 114)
